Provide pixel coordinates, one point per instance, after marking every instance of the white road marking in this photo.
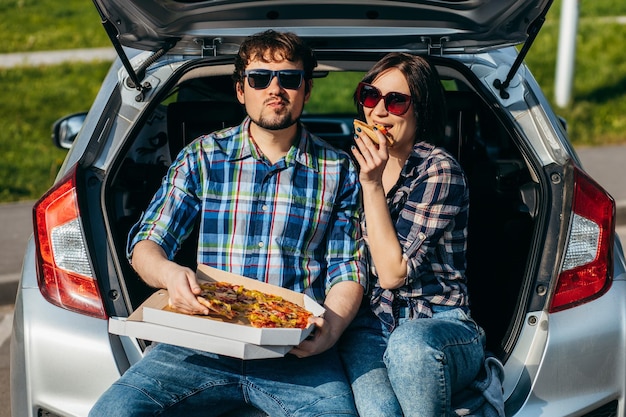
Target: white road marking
(5, 327)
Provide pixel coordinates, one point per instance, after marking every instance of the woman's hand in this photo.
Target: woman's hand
(372, 157)
(382, 237)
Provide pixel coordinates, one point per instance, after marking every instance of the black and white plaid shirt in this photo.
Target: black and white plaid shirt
(429, 206)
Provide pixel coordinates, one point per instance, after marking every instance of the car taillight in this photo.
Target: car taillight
(587, 269)
(64, 271)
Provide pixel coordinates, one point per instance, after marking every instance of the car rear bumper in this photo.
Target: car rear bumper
(583, 366)
(61, 362)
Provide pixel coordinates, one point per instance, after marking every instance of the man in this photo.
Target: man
(276, 204)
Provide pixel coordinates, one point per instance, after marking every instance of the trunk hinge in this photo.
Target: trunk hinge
(135, 77)
(210, 50)
(435, 49)
(533, 31)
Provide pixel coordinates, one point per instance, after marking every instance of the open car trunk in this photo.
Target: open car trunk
(201, 99)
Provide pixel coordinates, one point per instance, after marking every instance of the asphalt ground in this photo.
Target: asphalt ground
(16, 221)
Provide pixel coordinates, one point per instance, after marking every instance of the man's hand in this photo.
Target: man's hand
(183, 290)
(342, 303)
(321, 339)
(152, 265)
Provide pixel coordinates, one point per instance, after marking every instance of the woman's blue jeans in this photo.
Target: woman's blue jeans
(176, 381)
(415, 370)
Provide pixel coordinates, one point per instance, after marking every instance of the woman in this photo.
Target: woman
(415, 345)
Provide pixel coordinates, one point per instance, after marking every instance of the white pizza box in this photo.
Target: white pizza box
(153, 320)
(157, 333)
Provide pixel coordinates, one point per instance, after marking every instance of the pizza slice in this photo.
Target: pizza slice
(217, 307)
(279, 313)
(369, 131)
(218, 297)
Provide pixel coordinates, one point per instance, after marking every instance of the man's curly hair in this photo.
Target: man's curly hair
(272, 46)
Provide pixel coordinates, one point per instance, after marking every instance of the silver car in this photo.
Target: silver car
(546, 272)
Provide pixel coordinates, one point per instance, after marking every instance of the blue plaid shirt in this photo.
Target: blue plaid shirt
(294, 224)
(429, 207)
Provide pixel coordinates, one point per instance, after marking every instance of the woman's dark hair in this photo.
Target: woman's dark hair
(429, 104)
(271, 45)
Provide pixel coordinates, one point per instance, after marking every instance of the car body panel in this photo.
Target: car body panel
(463, 25)
(582, 368)
(61, 361)
(548, 143)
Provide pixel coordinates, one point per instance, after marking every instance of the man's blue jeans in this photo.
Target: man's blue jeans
(176, 381)
(415, 370)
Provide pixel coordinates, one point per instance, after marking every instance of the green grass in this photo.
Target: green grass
(41, 25)
(33, 98)
(39, 96)
(597, 113)
(326, 97)
(598, 8)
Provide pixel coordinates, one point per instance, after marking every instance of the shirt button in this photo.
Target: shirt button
(261, 244)
(264, 207)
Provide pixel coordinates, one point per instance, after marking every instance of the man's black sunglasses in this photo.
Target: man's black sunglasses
(261, 78)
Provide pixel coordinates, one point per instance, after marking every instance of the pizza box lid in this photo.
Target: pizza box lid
(155, 311)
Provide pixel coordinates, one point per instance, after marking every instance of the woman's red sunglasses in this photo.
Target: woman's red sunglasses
(395, 103)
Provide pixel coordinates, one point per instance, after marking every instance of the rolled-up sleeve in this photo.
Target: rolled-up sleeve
(170, 216)
(346, 246)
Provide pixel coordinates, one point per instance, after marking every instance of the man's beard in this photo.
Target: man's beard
(282, 122)
(278, 121)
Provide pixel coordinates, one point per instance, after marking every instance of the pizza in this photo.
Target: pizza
(234, 302)
(369, 131)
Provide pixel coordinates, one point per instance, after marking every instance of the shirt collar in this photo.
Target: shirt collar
(302, 151)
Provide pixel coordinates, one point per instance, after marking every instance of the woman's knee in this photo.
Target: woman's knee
(412, 350)
(414, 336)
(424, 343)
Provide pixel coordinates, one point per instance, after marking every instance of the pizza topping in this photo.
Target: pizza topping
(218, 307)
(234, 302)
(369, 131)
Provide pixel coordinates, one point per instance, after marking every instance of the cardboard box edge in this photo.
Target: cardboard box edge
(222, 346)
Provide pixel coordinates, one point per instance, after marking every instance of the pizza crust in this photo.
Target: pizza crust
(369, 131)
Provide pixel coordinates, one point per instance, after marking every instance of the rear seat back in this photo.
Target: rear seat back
(187, 120)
